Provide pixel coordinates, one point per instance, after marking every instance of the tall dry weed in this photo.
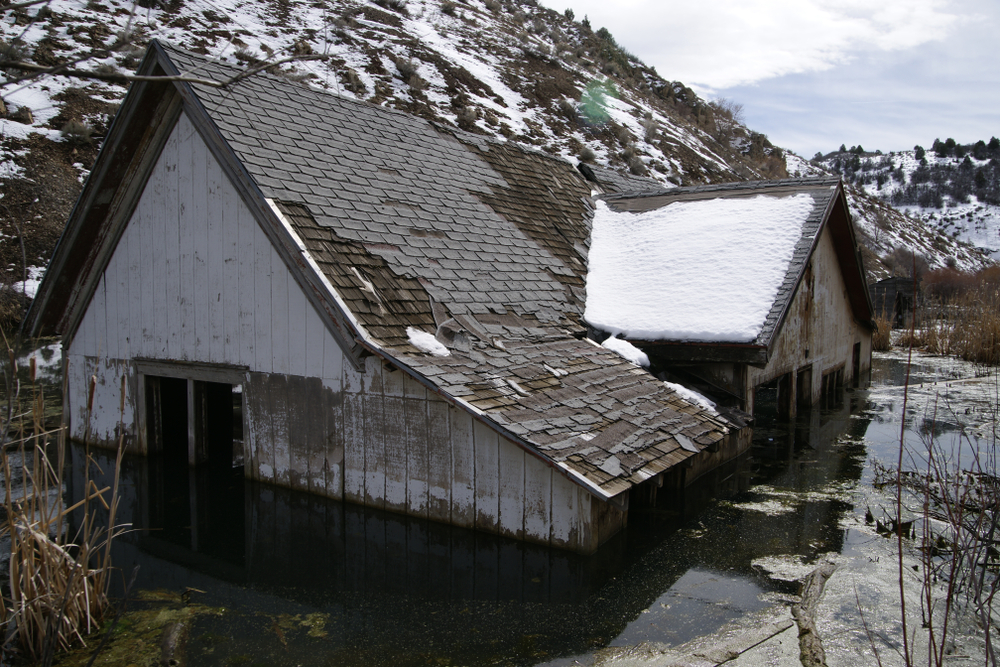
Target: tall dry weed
(59, 575)
(882, 337)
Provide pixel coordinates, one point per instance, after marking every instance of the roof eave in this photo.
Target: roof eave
(705, 352)
(147, 107)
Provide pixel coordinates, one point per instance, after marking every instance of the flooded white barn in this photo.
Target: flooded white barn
(369, 306)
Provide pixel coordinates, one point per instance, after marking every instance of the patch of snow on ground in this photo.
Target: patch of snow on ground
(426, 342)
(699, 271)
(627, 350)
(47, 357)
(30, 286)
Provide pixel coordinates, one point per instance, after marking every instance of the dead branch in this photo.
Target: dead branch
(60, 70)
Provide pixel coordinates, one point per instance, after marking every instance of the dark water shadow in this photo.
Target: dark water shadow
(392, 589)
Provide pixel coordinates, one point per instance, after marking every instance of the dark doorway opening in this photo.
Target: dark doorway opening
(803, 388)
(856, 366)
(832, 393)
(195, 437)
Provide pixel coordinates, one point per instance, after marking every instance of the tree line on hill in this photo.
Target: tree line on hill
(955, 172)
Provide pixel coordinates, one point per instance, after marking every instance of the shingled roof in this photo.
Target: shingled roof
(829, 210)
(402, 223)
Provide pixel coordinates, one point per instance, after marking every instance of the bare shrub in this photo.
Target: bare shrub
(448, 7)
(587, 155)
(467, 117)
(913, 337)
(398, 6)
(352, 81)
(493, 6)
(637, 167)
(406, 68)
(568, 108)
(651, 129)
(415, 82)
(12, 51)
(948, 283)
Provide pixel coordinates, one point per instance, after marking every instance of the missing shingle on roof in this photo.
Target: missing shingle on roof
(556, 219)
(385, 302)
(422, 233)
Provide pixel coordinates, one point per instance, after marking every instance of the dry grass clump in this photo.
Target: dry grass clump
(960, 316)
(59, 575)
(975, 334)
(882, 337)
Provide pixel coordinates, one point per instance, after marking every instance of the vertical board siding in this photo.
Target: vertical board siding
(511, 477)
(297, 409)
(248, 288)
(215, 260)
(537, 497)
(280, 428)
(395, 453)
(188, 209)
(333, 451)
(416, 456)
(170, 241)
(487, 477)
(354, 453)
(438, 461)
(463, 462)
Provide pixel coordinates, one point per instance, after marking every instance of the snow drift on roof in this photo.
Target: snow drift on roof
(696, 271)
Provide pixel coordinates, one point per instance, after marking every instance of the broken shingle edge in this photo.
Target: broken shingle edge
(366, 341)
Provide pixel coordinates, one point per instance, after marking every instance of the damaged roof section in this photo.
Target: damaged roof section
(577, 403)
(611, 181)
(480, 243)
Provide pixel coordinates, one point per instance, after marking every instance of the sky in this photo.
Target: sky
(815, 74)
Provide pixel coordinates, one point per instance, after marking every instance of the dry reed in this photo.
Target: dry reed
(882, 337)
(967, 327)
(59, 578)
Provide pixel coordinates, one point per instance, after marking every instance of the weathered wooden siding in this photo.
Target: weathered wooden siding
(194, 279)
(820, 329)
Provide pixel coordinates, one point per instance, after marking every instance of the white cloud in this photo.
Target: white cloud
(714, 44)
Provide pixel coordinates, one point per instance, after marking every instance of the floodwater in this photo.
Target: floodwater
(299, 580)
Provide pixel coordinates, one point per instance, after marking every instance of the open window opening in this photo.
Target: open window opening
(803, 388)
(773, 400)
(856, 366)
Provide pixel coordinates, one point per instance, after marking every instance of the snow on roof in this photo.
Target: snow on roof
(692, 270)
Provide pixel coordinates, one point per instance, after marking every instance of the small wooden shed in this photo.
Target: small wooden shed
(387, 311)
(894, 298)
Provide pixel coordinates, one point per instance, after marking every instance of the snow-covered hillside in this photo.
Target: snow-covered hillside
(954, 191)
(507, 68)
